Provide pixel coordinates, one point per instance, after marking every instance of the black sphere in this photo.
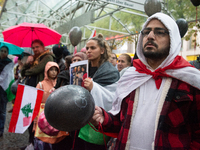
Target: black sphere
(182, 25)
(152, 6)
(69, 108)
(75, 35)
(195, 2)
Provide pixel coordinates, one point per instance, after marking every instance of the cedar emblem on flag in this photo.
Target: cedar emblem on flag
(26, 108)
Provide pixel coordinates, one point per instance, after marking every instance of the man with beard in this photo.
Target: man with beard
(35, 65)
(157, 104)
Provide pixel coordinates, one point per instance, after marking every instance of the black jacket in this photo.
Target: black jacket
(62, 79)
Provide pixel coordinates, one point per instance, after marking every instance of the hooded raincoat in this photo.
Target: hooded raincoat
(47, 84)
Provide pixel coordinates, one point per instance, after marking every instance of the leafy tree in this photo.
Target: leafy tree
(132, 22)
(185, 9)
(182, 9)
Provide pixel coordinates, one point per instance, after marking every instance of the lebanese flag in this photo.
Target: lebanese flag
(93, 34)
(26, 108)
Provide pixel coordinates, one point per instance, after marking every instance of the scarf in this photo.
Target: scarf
(37, 60)
(178, 62)
(106, 74)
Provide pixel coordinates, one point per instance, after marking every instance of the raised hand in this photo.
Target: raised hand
(88, 84)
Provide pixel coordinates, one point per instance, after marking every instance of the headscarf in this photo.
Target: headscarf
(83, 50)
(82, 55)
(174, 66)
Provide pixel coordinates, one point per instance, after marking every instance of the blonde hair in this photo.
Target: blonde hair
(103, 45)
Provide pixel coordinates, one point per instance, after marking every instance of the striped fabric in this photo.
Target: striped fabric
(26, 108)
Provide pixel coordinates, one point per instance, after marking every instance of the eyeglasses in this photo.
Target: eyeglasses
(159, 32)
(113, 57)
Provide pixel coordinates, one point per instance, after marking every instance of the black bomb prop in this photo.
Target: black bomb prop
(69, 108)
(152, 6)
(195, 2)
(182, 25)
(75, 35)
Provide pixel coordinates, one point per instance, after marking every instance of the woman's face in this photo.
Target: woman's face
(122, 63)
(76, 59)
(93, 50)
(3, 53)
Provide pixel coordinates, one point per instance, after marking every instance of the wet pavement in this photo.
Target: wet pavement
(12, 141)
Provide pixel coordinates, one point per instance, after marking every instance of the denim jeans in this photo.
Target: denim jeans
(3, 103)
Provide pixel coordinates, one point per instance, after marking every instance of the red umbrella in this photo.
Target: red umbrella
(22, 35)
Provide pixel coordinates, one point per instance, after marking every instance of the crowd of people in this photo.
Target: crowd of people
(147, 102)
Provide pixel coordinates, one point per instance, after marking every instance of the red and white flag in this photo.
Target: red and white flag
(93, 34)
(26, 108)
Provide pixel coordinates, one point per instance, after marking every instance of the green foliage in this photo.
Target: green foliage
(131, 21)
(185, 9)
(182, 9)
(191, 31)
(118, 42)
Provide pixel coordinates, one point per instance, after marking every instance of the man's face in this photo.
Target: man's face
(156, 41)
(113, 60)
(37, 49)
